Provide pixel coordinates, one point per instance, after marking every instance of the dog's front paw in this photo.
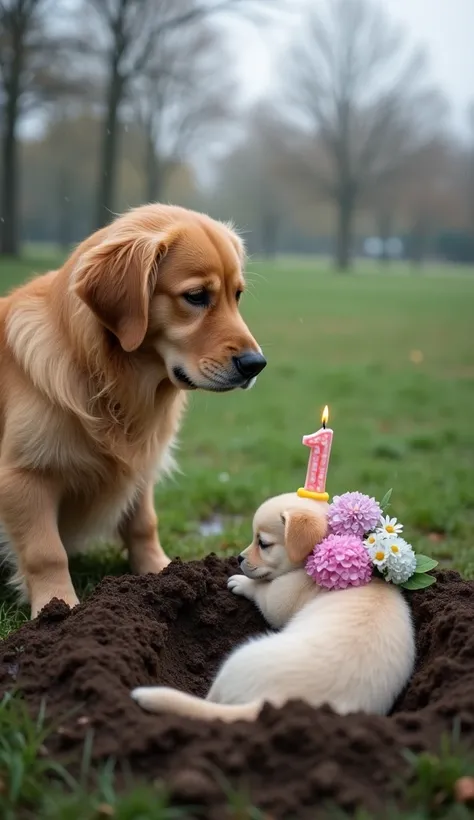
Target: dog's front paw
(241, 585)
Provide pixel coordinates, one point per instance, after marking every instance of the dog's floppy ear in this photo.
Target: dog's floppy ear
(303, 530)
(116, 278)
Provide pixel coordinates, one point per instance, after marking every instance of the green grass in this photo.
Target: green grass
(400, 419)
(33, 786)
(14, 272)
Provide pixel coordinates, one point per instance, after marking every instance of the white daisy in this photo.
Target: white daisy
(401, 560)
(377, 547)
(390, 526)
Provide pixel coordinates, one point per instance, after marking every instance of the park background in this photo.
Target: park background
(338, 135)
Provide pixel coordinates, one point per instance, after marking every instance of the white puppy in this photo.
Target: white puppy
(353, 649)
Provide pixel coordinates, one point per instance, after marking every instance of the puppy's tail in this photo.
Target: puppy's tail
(163, 699)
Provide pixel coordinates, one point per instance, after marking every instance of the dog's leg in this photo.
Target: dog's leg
(29, 512)
(139, 531)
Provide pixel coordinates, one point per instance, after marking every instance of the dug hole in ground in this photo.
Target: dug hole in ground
(175, 629)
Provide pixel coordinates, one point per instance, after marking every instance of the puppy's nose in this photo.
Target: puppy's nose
(250, 364)
(240, 558)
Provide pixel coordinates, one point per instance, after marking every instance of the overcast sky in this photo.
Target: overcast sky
(444, 27)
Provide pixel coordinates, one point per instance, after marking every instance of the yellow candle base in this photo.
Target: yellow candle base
(310, 494)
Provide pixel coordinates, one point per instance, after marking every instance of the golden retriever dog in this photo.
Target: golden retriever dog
(96, 360)
(352, 649)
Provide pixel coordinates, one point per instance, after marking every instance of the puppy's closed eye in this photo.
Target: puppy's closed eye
(264, 545)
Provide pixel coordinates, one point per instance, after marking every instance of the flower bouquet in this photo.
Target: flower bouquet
(363, 543)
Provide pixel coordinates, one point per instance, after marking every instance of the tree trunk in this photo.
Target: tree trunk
(384, 224)
(269, 229)
(108, 166)
(345, 206)
(9, 192)
(418, 244)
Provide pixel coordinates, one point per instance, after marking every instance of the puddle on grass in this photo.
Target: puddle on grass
(12, 670)
(217, 524)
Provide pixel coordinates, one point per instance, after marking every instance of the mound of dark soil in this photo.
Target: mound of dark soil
(175, 629)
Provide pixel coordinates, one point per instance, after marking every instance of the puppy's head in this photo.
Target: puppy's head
(285, 530)
(168, 281)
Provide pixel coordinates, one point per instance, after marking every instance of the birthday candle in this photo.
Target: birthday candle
(320, 449)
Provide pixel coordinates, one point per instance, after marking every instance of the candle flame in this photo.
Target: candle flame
(325, 415)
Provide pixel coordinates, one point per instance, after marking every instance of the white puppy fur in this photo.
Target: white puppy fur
(353, 649)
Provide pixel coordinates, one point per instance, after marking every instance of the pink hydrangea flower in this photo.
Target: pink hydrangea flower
(353, 513)
(340, 561)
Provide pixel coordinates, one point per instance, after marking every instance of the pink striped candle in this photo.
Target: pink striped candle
(320, 449)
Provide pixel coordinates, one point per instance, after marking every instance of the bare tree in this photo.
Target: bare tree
(133, 27)
(252, 186)
(183, 98)
(431, 196)
(267, 187)
(359, 92)
(37, 67)
(18, 21)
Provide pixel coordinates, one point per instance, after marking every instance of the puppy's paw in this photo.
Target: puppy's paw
(241, 585)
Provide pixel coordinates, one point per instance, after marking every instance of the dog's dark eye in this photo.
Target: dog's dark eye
(198, 298)
(238, 296)
(264, 545)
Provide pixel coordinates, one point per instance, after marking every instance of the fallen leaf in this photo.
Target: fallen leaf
(416, 356)
(105, 810)
(385, 426)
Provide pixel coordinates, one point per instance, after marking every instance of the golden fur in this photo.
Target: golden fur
(95, 362)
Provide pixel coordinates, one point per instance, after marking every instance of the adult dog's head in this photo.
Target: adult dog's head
(286, 529)
(168, 281)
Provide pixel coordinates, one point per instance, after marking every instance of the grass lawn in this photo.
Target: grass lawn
(391, 353)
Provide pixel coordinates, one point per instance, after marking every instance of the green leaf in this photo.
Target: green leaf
(419, 581)
(424, 563)
(386, 500)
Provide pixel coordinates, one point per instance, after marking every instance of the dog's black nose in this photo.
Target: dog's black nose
(250, 364)
(240, 558)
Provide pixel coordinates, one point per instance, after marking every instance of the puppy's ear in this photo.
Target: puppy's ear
(116, 279)
(303, 530)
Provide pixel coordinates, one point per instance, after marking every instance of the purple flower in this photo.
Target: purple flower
(353, 513)
(340, 561)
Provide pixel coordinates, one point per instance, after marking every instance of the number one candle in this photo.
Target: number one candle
(320, 448)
